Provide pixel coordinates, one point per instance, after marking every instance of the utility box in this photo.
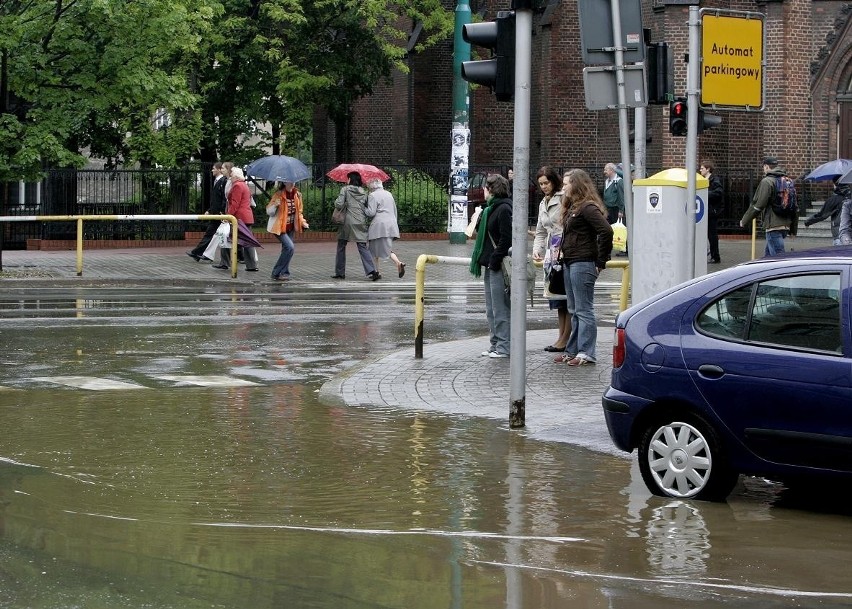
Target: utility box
(660, 256)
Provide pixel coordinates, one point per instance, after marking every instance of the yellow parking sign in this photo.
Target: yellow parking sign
(732, 59)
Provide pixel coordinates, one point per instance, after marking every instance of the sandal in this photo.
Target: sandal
(580, 360)
(563, 358)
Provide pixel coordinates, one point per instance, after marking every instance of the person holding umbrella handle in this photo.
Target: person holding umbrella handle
(353, 199)
(285, 219)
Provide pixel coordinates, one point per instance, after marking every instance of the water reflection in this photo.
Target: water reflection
(678, 539)
(246, 496)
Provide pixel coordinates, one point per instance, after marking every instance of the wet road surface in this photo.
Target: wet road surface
(210, 474)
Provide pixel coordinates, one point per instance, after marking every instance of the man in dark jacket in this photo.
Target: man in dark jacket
(218, 205)
(715, 201)
(831, 209)
(775, 226)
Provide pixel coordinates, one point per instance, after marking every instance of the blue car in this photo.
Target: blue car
(744, 371)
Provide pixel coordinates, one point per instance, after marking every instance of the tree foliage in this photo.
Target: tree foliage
(91, 76)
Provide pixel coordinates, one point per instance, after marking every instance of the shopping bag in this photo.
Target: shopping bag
(223, 235)
(212, 248)
(619, 237)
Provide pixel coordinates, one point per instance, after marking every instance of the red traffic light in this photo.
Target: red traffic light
(677, 117)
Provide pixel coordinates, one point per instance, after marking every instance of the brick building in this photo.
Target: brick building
(807, 94)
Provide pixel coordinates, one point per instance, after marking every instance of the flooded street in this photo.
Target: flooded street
(168, 449)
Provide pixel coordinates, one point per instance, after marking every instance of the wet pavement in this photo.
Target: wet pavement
(561, 407)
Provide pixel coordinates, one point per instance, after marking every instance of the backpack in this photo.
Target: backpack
(786, 202)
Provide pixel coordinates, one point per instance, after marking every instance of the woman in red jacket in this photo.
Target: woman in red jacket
(239, 206)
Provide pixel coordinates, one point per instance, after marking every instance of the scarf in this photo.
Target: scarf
(475, 268)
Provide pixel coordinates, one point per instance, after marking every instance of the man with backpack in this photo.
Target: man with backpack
(777, 203)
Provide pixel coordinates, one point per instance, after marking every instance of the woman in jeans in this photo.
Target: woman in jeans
(285, 220)
(493, 240)
(586, 244)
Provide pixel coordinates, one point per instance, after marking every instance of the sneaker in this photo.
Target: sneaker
(486, 353)
(495, 355)
(580, 360)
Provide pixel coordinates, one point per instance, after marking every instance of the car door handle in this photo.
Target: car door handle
(711, 371)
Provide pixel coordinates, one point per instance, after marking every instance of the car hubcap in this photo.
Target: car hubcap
(679, 459)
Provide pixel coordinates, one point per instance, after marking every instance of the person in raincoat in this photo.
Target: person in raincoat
(384, 227)
(353, 199)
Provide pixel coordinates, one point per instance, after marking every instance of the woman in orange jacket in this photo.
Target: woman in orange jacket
(285, 219)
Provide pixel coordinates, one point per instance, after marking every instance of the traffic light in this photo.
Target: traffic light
(498, 72)
(706, 121)
(658, 59)
(677, 117)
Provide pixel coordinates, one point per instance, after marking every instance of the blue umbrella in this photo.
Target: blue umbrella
(278, 168)
(829, 171)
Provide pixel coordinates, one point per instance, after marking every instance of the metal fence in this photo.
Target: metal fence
(421, 193)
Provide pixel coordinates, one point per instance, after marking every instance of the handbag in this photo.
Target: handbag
(555, 281)
(272, 213)
(338, 216)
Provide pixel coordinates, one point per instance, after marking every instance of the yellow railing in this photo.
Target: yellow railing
(113, 217)
(420, 281)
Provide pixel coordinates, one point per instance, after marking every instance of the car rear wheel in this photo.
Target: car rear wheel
(683, 458)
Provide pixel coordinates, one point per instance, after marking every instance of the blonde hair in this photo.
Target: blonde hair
(237, 175)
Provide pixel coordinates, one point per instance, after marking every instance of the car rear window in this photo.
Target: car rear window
(801, 311)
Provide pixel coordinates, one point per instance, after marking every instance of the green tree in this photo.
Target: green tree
(273, 62)
(91, 74)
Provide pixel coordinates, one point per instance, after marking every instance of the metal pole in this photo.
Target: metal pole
(623, 119)
(692, 75)
(460, 150)
(639, 147)
(520, 207)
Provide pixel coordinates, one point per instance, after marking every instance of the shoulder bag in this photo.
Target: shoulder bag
(338, 216)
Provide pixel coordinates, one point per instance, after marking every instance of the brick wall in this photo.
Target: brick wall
(798, 128)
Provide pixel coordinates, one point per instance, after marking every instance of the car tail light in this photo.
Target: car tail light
(618, 348)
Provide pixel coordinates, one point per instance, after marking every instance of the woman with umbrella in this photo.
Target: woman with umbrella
(285, 219)
(832, 209)
(353, 199)
(239, 206)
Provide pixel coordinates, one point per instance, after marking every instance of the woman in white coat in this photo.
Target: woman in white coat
(384, 226)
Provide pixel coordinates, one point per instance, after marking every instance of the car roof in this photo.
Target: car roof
(836, 253)
(823, 255)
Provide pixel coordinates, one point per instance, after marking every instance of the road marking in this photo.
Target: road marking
(206, 381)
(86, 382)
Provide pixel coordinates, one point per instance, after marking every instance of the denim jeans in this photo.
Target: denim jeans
(497, 310)
(363, 251)
(580, 280)
(282, 266)
(774, 242)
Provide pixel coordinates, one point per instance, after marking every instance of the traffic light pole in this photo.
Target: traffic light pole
(520, 212)
(692, 77)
